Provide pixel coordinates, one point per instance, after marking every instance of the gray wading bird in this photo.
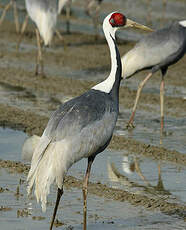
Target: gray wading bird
(156, 51)
(44, 14)
(80, 128)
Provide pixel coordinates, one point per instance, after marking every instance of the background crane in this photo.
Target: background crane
(156, 51)
(44, 14)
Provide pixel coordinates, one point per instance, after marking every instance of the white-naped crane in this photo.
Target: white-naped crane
(80, 128)
(156, 51)
(12, 3)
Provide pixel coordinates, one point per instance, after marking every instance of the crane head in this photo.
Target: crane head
(120, 20)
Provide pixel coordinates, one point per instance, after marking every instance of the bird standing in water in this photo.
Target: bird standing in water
(44, 14)
(156, 51)
(80, 128)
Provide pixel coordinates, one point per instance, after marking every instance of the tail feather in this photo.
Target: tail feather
(46, 23)
(42, 175)
(37, 156)
(48, 164)
(47, 26)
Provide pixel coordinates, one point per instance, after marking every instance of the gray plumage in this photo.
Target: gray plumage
(78, 113)
(82, 127)
(156, 51)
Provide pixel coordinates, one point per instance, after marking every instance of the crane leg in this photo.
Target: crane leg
(7, 7)
(39, 56)
(162, 105)
(59, 194)
(141, 85)
(22, 32)
(16, 19)
(85, 184)
(61, 38)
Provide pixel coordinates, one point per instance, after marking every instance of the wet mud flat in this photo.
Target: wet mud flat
(27, 102)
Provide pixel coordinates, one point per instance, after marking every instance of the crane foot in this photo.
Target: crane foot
(130, 125)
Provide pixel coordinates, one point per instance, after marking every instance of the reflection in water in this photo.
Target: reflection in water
(147, 130)
(128, 165)
(133, 167)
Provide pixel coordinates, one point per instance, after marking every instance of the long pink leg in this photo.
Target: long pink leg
(140, 87)
(85, 185)
(162, 104)
(39, 56)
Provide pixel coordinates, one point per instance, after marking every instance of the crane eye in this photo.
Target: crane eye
(112, 22)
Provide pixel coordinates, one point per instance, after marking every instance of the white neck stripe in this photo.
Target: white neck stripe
(106, 85)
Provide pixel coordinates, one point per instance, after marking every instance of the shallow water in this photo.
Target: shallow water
(105, 164)
(147, 129)
(11, 142)
(102, 213)
(43, 103)
(18, 212)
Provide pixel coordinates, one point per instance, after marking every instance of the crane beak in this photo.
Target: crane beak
(133, 24)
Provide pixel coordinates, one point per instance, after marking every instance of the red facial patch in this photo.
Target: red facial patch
(117, 20)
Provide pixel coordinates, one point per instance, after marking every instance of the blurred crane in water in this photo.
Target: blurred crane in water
(156, 51)
(44, 14)
(12, 3)
(80, 128)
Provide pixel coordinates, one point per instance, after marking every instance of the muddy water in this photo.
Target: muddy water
(148, 130)
(113, 168)
(17, 212)
(11, 142)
